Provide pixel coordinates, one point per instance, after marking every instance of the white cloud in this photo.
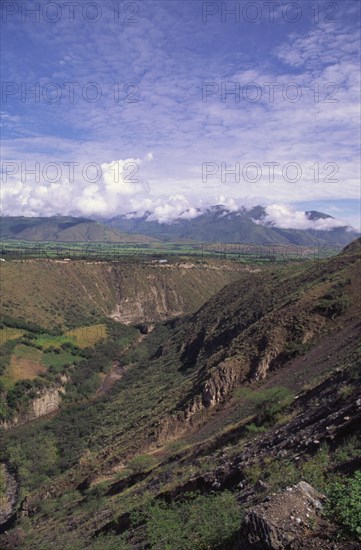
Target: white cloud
(285, 216)
(117, 184)
(229, 203)
(177, 207)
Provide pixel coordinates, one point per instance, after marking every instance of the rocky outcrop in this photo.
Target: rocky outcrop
(221, 381)
(281, 519)
(8, 496)
(46, 402)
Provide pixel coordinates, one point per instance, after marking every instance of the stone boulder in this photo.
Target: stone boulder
(281, 519)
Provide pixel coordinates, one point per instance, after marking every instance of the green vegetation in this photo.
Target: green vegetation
(37, 461)
(269, 405)
(253, 429)
(334, 303)
(141, 463)
(88, 336)
(316, 469)
(345, 391)
(139, 252)
(5, 354)
(344, 504)
(9, 333)
(277, 473)
(38, 361)
(75, 423)
(199, 522)
(294, 348)
(15, 322)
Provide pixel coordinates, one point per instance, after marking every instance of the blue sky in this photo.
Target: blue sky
(156, 118)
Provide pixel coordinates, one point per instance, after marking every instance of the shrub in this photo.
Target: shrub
(34, 458)
(275, 472)
(314, 471)
(201, 522)
(344, 504)
(345, 391)
(141, 463)
(5, 353)
(254, 429)
(177, 446)
(350, 448)
(30, 336)
(294, 348)
(66, 345)
(254, 472)
(333, 304)
(280, 473)
(108, 541)
(271, 403)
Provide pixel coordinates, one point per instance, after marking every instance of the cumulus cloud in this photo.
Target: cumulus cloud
(229, 203)
(89, 190)
(177, 207)
(285, 216)
(109, 189)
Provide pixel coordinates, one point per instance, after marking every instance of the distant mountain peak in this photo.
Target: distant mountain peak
(315, 215)
(256, 213)
(217, 207)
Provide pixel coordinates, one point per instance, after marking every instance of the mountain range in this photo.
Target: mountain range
(63, 229)
(218, 224)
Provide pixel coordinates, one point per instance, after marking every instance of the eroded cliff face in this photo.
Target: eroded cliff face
(154, 303)
(46, 402)
(155, 293)
(130, 292)
(253, 354)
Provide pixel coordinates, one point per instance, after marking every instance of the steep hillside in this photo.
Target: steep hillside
(217, 224)
(55, 293)
(256, 324)
(258, 390)
(63, 229)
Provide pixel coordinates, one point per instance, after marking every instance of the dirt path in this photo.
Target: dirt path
(116, 373)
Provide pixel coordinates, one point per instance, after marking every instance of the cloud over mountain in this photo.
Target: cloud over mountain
(285, 216)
